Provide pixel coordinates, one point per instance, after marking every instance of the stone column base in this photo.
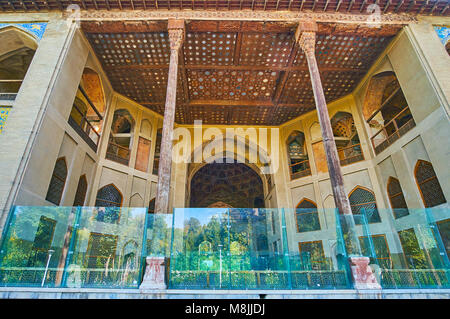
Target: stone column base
(154, 274)
(363, 277)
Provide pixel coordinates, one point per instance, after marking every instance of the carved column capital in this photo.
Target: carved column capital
(176, 37)
(307, 42)
(176, 33)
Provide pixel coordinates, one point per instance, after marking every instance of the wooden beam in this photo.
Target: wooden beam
(237, 103)
(233, 68)
(242, 15)
(231, 103)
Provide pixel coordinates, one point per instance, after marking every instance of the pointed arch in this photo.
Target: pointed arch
(363, 198)
(428, 184)
(88, 108)
(297, 155)
(386, 110)
(57, 182)
(16, 53)
(346, 138)
(80, 194)
(121, 137)
(109, 196)
(136, 200)
(306, 216)
(396, 198)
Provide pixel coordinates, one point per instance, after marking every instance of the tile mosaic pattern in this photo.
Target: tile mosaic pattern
(4, 111)
(36, 29)
(443, 34)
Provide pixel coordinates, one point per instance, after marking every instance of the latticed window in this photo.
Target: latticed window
(108, 200)
(395, 193)
(57, 182)
(81, 191)
(307, 217)
(108, 196)
(429, 186)
(363, 200)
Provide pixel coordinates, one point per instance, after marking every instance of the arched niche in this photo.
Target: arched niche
(16, 53)
(315, 132)
(146, 128)
(346, 138)
(226, 184)
(386, 110)
(92, 85)
(136, 200)
(297, 155)
(121, 137)
(88, 108)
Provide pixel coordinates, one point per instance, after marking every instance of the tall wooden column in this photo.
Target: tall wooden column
(176, 37)
(306, 37)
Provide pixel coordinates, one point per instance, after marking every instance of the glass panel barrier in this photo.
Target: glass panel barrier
(408, 252)
(73, 247)
(236, 248)
(222, 248)
(34, 246)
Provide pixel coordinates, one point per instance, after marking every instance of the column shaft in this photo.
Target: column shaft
(176, 31)
(307, 43)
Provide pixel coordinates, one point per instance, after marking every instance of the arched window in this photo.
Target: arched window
(107, 201)
(346, 138)
(396, 198)
(297, 154)
(306, 216)
(57, 182)
(386, 110)
(108, 196)
(428, 184)
(363, 199)
(157, 151)
(80, 195)
(121, 137)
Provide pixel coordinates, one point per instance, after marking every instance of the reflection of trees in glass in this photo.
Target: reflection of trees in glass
(42, 242)
(35, 230)
(32, 232)
(414, 256)
(312, 252)
(444, 232)
(381, 250)
(241, 243)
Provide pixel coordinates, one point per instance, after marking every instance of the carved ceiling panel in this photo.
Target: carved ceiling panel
(229, 75)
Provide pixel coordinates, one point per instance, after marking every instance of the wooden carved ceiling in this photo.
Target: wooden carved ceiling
(234, 72)
(434, 7)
